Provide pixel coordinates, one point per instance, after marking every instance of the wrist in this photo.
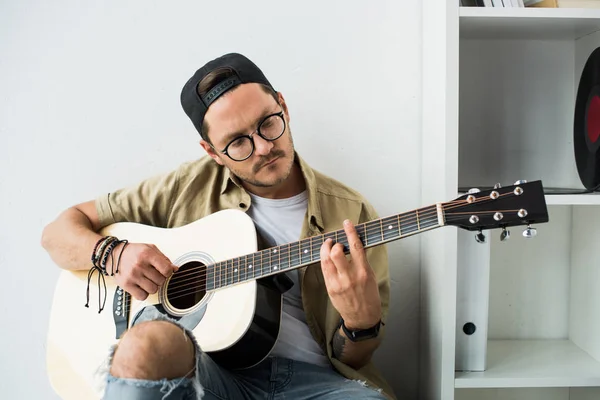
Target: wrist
(359, 334)
(360, 324)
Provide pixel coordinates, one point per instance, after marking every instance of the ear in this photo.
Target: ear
(284, 106)
(211, 151)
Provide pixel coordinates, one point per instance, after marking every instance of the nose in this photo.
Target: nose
(262, 147)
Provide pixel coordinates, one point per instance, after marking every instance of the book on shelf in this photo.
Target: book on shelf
(531, 3)
(492, 3)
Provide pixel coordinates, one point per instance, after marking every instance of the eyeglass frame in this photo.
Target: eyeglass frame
(250, 136)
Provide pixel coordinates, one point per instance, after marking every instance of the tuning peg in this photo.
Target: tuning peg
(520, 182)
(480, 237)
(497, 185)
(505, 235)
(529, 232)
(473, 190)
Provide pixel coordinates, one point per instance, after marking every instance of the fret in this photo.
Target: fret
(418, 223)
(315, 253)
(258, 266)
(236, 269)
(330, 235)
(343, 239)
(245, 267)
(305, 251)
(292, 260)
(374, 232)
(224, 273)
(406, 225)
(391, 228)
(252, 267)
(229, 273)
(266, 267)
(360, 230)
(279, 258)
(210, 280)
(431, 219)
(232, 272)
(366, 233)
(274, 266)
(284, 257)
(381, 229)
(218, 273)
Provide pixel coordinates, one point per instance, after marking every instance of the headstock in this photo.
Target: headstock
(522, 203)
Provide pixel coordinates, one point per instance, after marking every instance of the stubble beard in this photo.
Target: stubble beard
(275, 153)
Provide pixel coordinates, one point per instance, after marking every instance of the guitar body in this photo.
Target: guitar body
(224, 321)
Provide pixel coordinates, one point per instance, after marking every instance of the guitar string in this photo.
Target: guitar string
(226, 269)
(194, 280)
(192, 288)
(292, 248)
(367, 228)
(193, 283)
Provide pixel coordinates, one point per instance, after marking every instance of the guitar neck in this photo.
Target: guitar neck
(289, 256)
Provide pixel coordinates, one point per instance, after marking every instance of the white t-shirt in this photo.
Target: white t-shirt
(279, 221)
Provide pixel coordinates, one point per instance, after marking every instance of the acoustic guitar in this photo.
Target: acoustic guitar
(225, 290)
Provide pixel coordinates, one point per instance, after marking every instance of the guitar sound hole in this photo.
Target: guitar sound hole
(187, 286)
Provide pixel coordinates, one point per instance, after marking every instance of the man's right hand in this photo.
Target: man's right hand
(142, 268)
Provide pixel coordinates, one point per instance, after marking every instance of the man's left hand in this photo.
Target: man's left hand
(351, 284)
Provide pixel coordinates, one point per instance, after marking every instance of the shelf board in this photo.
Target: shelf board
(573, 199)
(533, 363)
(527, 23)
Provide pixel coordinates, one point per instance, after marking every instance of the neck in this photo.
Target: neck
(290, 186)
(293, 255)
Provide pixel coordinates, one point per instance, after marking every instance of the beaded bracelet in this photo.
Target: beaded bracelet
(102, 250)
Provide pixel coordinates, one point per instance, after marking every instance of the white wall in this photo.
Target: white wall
(89, 102)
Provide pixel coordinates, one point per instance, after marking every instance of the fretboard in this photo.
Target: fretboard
(307, 251)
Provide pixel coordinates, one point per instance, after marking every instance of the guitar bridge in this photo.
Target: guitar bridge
(121, 310)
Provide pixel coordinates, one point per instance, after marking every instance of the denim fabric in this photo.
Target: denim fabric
(273, 378)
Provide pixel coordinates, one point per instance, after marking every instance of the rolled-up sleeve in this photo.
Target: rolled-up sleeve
(149, 202)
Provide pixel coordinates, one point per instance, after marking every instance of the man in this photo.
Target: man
(252, 166)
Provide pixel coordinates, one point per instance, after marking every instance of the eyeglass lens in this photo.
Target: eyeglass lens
(270, 129)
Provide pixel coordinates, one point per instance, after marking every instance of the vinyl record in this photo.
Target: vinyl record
(586, 130)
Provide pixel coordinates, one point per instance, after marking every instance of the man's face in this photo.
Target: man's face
(238, 113)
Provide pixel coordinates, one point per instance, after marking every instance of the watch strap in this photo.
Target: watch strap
(356, 335)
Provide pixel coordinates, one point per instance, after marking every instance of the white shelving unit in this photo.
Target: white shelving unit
(529, 23)
(533, 363)
(499, 90)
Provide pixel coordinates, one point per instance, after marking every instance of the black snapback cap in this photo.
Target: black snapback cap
(245, 71)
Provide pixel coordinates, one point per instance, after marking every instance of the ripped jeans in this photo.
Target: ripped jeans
(273, 378)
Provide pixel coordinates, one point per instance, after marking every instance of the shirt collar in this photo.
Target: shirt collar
(314, 208)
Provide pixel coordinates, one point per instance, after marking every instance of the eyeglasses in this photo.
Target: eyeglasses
(270, 128)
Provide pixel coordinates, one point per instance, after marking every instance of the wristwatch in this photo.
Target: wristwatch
(356, 335)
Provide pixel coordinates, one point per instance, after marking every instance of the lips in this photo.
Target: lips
(271, 162)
